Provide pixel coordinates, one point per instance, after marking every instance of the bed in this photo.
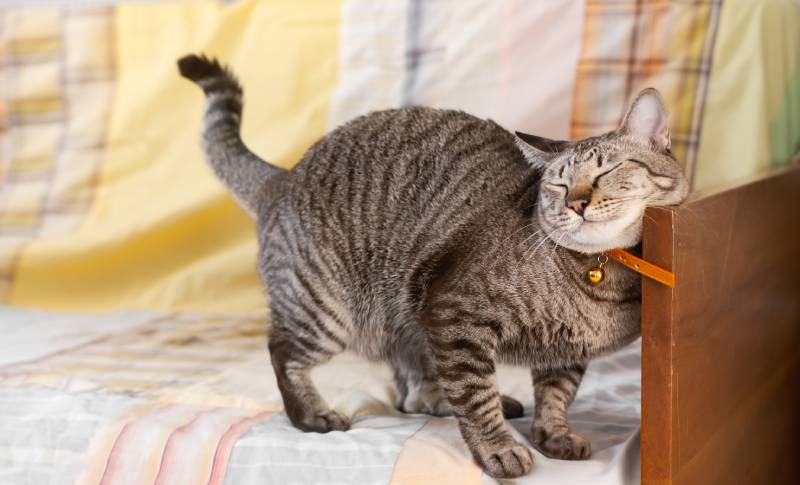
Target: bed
(160, 398)
(132, 320)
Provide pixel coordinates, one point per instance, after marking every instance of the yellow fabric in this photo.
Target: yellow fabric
(102, 211)
(56, 81)
(756, 61)
(162, 232)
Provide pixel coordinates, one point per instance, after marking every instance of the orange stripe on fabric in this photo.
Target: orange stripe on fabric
(223, 452)
(99, 452)
(189, 453)
(137, 452)
(115, 453)
(167, 458)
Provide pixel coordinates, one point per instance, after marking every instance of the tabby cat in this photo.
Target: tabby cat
(443, 244)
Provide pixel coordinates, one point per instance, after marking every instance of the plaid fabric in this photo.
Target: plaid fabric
(628, 45)
(57, 76)
(493, 59)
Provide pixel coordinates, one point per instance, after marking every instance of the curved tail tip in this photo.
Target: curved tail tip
(199, 67)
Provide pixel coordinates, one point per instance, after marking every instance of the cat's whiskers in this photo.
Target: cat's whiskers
(540, 231)
(520, 230)
(502, 244)
(558, 243)
(548, 236)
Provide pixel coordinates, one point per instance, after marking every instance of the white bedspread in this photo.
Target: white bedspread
(134, 397)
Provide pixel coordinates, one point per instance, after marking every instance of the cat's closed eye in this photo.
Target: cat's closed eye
(557, 188)
(598, 179)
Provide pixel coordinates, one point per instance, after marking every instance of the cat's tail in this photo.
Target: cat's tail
(244, 173)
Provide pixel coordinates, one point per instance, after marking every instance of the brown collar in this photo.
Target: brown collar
(642, 267)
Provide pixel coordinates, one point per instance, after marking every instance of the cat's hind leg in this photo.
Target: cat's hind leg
(418, 392)
(297, 343)
(418, 389)
(511, 407)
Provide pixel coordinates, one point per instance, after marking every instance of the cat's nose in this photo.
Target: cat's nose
(578, 199)
(578, 205)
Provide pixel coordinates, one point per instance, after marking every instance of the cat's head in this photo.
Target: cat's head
(594, 191)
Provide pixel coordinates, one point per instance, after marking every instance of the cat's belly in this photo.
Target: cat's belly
(382, 327)
(572, 338)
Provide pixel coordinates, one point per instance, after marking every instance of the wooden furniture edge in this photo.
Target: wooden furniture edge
(664, 459)
(657, 326)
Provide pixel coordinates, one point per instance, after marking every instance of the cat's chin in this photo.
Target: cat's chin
(591, 249)
(593, 237)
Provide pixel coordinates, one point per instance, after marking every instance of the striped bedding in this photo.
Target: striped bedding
(105, 204)
(171, 398)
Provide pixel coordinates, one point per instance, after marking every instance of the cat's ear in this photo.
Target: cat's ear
(539, 150)
(648, 120)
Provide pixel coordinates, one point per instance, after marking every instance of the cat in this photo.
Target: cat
(444, 244)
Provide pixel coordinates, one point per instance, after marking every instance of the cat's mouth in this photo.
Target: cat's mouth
(594, 236)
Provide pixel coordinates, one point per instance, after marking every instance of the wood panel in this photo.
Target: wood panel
(721, 351)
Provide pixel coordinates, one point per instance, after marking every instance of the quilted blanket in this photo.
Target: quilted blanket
(145, 397)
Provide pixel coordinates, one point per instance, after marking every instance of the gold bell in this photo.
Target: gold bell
(596, 275)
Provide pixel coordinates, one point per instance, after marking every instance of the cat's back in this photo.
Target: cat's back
(404, 155)
(427, 138)
(398, 180)
(386, 190)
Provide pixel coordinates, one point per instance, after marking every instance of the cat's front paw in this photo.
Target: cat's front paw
(324, 421)
(563, 446)
(506, 459)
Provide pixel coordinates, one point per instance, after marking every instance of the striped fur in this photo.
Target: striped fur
(442, 244)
